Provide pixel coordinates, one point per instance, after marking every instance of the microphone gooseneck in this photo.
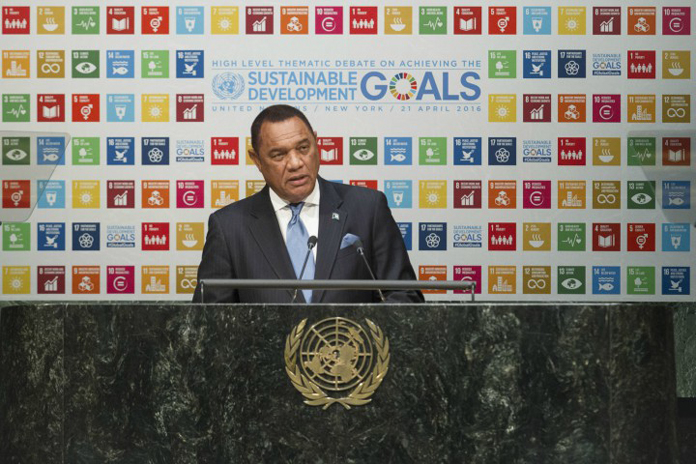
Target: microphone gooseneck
(311, 243)
(359, 247)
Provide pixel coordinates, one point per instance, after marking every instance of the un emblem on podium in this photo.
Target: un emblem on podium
(336, 360)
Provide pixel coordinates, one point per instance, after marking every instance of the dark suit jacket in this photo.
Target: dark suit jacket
(244, 242)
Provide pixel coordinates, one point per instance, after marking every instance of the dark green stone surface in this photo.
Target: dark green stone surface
(466, 384)
(685, 349)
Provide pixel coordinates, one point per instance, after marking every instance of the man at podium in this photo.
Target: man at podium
(300, 226)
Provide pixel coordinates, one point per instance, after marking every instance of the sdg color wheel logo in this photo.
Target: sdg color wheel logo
(403, 86)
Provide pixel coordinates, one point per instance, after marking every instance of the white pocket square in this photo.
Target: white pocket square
(349, 240)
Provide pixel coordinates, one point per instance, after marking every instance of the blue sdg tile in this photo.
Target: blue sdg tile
(502, 151)
(120, 151)
(398, 150)
(189, 64)
(50, 236)
(120, 64)
(406, 229)
(606, 280)
(155, 151)
(467, 151)
(85, 236)
(399, 193)
(432, 236)
(676, 281)
(536, 64)
(50, 150)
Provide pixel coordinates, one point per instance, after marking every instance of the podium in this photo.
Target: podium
(437, 383)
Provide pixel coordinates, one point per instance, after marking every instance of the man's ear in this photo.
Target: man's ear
(315, 135)
(254, 157)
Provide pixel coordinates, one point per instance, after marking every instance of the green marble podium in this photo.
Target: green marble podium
(466, 383)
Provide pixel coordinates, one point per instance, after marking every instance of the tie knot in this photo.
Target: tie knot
(296, 208)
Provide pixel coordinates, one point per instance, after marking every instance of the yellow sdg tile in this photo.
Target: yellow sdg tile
(641, 108)
(155, 108)
(502, 280)
(16, 64)
(154, 280)
(572, 20)
(432, 194)
(189, 236)
(536, 280)
(502, 108)
(50, 20)
(16, 280)
(398, 20)
(224, 20)
(186, 279)
(223, 192)
(85, 194)
(606, 151)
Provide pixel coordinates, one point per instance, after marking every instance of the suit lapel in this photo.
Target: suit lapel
(331, 223)
(266, 232)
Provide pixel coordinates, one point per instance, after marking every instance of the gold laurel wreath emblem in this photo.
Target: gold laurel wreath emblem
(314, 395)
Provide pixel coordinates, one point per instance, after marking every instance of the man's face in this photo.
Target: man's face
(288, 158)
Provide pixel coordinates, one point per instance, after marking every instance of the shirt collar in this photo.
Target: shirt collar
(311, 200)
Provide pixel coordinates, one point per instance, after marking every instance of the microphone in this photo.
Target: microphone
(311, 243)
(359, 246)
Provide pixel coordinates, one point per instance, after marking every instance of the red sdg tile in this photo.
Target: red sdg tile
(502, 20)
(225, 150)
(371, 184)
(85, 107)
(16, 20)
(502, 236)
(536, 194)
(606, 237)
(190, 108)
(16, 194)
(120, 279)
(468, 274)
(120, 194)
(155, 20)
(467, 20)
(606, 20)
(640, 237)
(50, 108)
(50, 280)
(641, 64)
(259, 20)
(120, 20)
(536, 108)
(330, 150)
(363, 20)
(676, 151)
(155, 236)
(190, 193)
(467, 194)
(572, 151)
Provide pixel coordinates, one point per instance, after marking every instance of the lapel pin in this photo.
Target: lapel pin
(335, 217)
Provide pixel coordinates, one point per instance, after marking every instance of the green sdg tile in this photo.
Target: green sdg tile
(640, 280)
(571, 280)
(85, 64)
(16, 151)
(363, 150)
(502, 64)
(15, 108)
(642, 151)
(16, 236)
(641, 194)
(432, 20)
(432, 151)
(571, 236)
(154, 64)
(85, 20)
(85, 151)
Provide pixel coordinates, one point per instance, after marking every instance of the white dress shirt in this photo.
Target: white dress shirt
(309, 214)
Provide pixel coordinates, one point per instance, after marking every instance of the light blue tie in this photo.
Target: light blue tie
(296, 241)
